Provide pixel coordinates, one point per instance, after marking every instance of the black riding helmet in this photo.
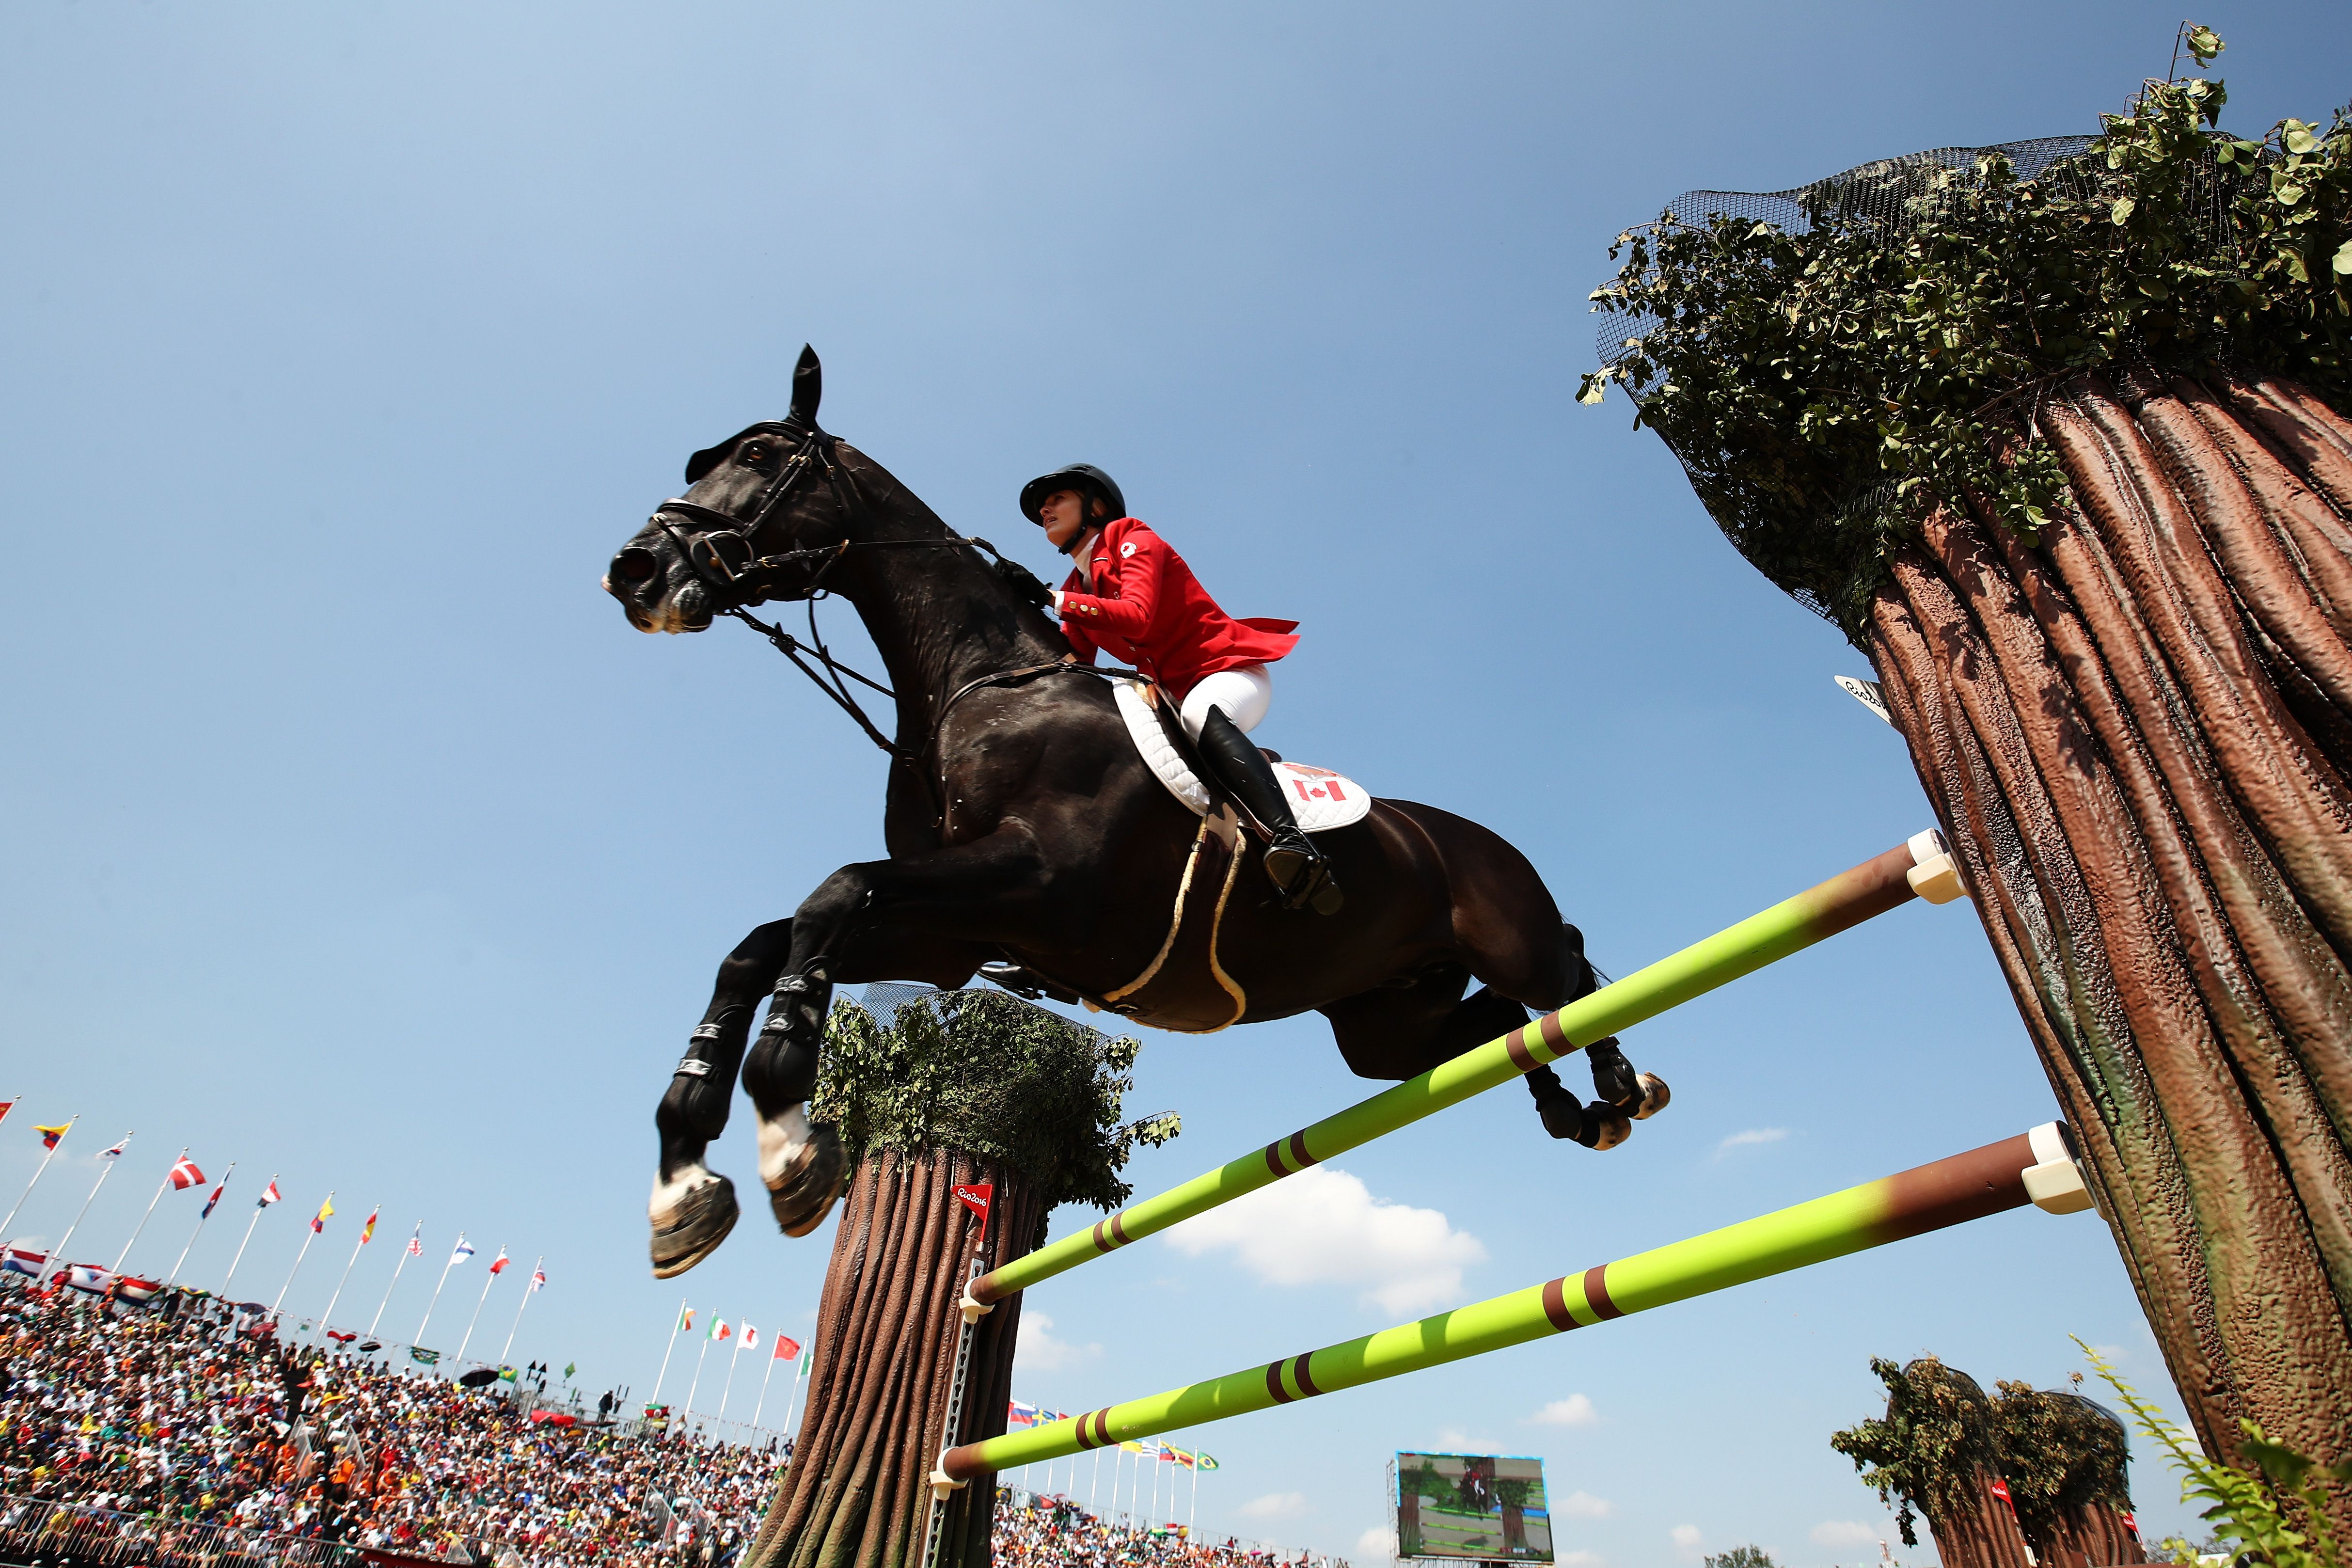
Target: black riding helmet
(1083, 477)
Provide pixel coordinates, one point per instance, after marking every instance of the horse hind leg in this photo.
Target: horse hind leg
(693, 1208)
(1622, 1096)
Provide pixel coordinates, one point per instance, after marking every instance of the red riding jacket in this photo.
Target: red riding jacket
(1151, 612)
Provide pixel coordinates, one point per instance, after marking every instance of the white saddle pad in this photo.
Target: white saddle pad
(1319, 798)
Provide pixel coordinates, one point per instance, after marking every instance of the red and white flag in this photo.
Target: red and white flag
(417, 1240)
(976, 1198)
(750, 1340)
(500, 1262)
(184, 1174)
(5, 1107)
(538, 1278)
(268, 1195)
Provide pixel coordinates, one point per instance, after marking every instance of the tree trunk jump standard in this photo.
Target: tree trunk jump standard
(972, 1090)
(2054, 432)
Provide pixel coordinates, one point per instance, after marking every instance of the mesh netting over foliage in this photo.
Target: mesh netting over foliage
(989, 1075)
(1828, 362)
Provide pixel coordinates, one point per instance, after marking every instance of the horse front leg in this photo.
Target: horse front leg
(971, 892)
(693, 1208)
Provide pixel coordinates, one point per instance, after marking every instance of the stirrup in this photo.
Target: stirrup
(1309, 883)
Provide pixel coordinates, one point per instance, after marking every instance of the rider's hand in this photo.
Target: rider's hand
(1026, 583)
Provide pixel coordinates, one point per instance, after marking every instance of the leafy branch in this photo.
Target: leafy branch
(1826, 388)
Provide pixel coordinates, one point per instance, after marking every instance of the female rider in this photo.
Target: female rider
(1131, 595)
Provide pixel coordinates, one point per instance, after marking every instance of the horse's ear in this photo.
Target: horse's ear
(808, 387)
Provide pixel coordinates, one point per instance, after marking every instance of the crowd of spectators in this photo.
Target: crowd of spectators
(195, 1416)
(198, 1415)
(1055, 1533)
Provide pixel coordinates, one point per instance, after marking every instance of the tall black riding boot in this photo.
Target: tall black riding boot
(1293, 863)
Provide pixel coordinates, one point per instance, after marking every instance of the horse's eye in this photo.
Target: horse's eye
(755, 454)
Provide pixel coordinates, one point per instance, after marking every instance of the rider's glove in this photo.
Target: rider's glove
(1025, 583)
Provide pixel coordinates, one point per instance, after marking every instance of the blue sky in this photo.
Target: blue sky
(346, 342)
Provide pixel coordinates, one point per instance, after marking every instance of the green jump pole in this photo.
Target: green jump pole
(1920, 867)
(2032, 1167)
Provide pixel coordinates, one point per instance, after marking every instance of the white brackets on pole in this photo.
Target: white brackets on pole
(1935, 876)
(2054, 1182)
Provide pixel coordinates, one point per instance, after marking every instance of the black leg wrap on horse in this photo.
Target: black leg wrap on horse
(1293, 863)
(1613, 1078)
(784, 1063)
(703, 1085)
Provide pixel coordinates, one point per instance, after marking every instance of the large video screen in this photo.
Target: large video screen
(1475, 1507)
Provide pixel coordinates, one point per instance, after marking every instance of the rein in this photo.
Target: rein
(708, 556)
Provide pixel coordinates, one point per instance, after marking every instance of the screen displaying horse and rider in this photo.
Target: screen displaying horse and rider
(1471, 1508)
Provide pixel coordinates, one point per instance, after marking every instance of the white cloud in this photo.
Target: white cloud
(1581, 1558)
(1576, 1410)
(1583, 1505)
(1376, 1543)
(1837, 1533)
(1324, 1226)
(1752, 1136)
(1277, 1505)
(1038, 1351)
(1686, 1539)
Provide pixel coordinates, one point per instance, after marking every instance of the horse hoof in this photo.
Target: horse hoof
(1655, 1097)
(803, 1194)
(1605, 1127)
(692, 1229)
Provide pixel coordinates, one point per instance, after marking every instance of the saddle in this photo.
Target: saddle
(1185, 987)
(1319, 798)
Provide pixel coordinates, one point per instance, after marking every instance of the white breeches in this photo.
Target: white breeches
(1242, 693)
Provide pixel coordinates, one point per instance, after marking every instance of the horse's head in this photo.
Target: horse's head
(764, 514)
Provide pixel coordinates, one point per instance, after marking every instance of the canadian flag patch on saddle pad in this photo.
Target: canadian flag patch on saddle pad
(1319, 798)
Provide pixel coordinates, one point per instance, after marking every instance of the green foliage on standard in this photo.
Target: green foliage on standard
(1741, 1557)
(1933, 1447)
(2277, 1517)
(988, 1074)
(1824, 389)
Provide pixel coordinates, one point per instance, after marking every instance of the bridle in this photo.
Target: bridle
(724, 560)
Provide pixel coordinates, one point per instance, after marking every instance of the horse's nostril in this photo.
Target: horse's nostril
(634, 565)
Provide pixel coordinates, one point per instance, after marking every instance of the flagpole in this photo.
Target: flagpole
(150, 1213)
(727, 1391)
(259, 1209)
(205, 1215)
(104, 1170)
(791, 1401)
(765, 1378)
(675, 1325)
(346, 1279)
(453, 1256)
(396, 1267)
(478, 1307)
(529, 1289)
(698, 1375)
(1192, 1510)
(1094, 1481)
(317, 1225)
(43, 1165)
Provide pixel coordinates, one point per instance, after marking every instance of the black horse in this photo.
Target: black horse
(1029, 841)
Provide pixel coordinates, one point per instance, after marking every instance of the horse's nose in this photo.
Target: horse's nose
(631, 567)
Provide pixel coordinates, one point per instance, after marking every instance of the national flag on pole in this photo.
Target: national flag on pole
(500, 1262)
(417, 1240)
(538, 1277)
(184, 1174)
(1204, 1462)
(318, 1220)
(212, 1202)
(750, 1341)
(684, 1321)
(269, 1195)
(569, 1367)
(367, 1231)
(50, 1135)
(787, 1347)
(5, 1107)
(1183, 1459)
(115, 1153)
(1019, 1415)
(462, 1251)
(720, 1329)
